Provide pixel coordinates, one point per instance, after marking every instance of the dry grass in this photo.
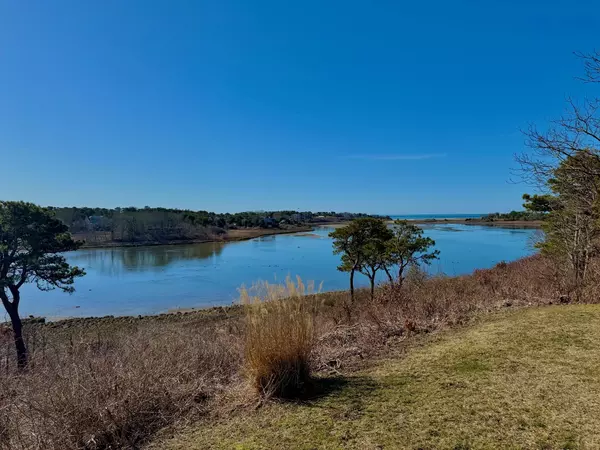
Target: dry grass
(279, 337)
(113, 383)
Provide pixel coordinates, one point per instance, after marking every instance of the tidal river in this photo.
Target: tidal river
(151, 280)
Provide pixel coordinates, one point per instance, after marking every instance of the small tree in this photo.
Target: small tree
(360, 244)
(31, 239)
(375, 251)
(349, 241)
(407, 247)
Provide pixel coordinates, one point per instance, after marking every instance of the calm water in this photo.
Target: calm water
(149, 280)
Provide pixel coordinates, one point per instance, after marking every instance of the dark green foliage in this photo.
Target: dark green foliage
(528, 215)
(407, 247)
(375, 249)
(31, 240)
(362, 246)
(540, 203)
(367, 245)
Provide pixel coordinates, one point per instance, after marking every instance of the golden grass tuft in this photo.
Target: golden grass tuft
(279, 337)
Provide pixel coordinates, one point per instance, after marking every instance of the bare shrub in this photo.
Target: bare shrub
(428, 303)
(113, 390)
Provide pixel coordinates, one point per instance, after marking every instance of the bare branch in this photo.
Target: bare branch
(591, 64)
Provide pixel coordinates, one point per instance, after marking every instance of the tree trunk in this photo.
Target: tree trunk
(22, 354)
(12, 308)
(372, 280)
(387, 272)
(352, 285)
(401, 269)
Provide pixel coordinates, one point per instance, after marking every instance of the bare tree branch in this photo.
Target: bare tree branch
(578, 130)
(591, 64)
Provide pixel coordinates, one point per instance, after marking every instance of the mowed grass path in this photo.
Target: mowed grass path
(521, 379)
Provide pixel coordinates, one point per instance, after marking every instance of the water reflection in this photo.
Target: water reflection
(113, 261)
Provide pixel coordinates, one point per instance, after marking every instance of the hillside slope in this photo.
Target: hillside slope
(522, 379)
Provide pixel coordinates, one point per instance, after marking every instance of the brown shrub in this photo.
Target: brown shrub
(425, 304)
(113, 390)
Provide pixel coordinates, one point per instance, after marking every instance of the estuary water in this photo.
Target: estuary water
(151, 280)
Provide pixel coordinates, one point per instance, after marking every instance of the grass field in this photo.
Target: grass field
(527, 378)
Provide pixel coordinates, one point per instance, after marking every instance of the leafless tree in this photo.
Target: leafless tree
(591, 63)
(577, 130)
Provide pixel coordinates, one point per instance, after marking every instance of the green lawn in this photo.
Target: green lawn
(522, 379)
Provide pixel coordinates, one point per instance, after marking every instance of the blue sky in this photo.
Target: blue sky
(383, 107)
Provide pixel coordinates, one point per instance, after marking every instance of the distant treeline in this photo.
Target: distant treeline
(515, 216)
(131, 224)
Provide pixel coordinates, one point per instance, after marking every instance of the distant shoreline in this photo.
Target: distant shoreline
(481, 222)
(231, 236)
(244, 234)
(535, 224)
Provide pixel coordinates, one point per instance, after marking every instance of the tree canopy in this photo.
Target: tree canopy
(408, 247)
(368, 245)
(352, 242)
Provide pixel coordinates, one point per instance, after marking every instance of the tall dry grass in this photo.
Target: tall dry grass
(279, 337)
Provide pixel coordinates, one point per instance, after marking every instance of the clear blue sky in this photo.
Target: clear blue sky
(374, 106)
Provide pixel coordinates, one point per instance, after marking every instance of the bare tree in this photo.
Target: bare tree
(577, 130)
(591, 63)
